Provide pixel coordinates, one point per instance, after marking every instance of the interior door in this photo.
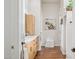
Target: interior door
(70, 35)
(11, 42)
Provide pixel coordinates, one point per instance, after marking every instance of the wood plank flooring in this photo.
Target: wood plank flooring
(50, 53)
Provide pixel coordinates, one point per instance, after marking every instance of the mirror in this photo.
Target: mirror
(29, 25)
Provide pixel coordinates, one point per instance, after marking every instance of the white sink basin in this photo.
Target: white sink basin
(28, 39)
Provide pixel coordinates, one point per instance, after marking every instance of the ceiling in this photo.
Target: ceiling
(50, 1)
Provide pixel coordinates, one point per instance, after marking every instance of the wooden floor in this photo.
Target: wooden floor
(50, 53)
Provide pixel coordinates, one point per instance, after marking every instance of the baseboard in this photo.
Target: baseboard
(56, 44)
(62, 50)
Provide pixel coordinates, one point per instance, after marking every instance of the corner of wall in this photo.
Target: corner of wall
(63, 51)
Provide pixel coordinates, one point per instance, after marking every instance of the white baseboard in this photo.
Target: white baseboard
(62, 50)
(56, 44)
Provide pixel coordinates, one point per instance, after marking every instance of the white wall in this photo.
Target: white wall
(26, 6)
(34, 7)
(36, 11)
(51, 10)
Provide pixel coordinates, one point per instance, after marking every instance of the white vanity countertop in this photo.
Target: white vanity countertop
(28, 39)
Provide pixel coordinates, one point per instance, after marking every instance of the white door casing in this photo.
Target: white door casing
(70, 35)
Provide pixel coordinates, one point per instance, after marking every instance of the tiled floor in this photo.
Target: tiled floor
(50, 53)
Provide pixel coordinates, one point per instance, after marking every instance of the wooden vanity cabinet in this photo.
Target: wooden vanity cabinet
(29, 24)
(32, 49)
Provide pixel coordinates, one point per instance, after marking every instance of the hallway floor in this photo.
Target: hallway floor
(50, 53)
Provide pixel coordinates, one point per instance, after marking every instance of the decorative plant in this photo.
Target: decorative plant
(69, 5)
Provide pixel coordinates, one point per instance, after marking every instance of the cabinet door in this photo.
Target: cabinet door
(29, 51)
(32, 49)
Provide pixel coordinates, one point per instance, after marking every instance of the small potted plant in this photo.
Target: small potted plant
(69, 5)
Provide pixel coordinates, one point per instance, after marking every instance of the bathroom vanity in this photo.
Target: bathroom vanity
(31, 40)
(32, 45)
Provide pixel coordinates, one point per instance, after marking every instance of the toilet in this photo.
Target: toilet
(49, 43)
(48, 38)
